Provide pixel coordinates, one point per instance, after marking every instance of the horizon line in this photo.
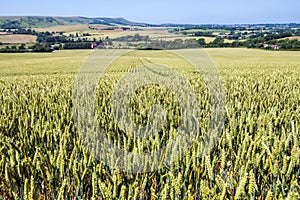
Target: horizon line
(163, 23)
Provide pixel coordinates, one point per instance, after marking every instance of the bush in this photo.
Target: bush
(77, 45)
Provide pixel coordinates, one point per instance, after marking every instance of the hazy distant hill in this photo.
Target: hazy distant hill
(43, 22)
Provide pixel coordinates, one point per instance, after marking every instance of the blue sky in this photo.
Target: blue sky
(162, 11)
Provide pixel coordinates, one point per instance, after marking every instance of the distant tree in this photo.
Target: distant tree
(201, 41)
(41, 48)
(191, 43)
(77, 45)
(201, 33)
(22, 47)
(218, 42)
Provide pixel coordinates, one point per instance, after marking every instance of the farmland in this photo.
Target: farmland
(46, 34)
(65, 62)
(292, 38)
(257, 154)
(17, 39)
(67, 29)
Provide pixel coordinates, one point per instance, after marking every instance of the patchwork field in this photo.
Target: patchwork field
(214, 31)
(291, 38)
(67, 29)
(153, 33)
(102, 33)
(17, 38)
(257, 156)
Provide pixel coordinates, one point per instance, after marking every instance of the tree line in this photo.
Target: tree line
(50, 41)
(218, 42)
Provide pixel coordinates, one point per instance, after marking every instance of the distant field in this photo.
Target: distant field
(207, 39)
(17, 38)
(291, 38)
(70, 60)
(255, 59)
(67, 29)
(228, 41)
(59, 62)
(161, 33)
(214, 31)
(153, 33)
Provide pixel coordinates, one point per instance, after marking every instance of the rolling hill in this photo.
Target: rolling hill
(44, 21)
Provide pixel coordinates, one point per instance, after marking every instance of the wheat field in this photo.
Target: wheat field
(256, 156)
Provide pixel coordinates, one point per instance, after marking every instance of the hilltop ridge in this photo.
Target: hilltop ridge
(48, 21)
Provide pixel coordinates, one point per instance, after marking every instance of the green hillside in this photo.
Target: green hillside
(43, 21)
